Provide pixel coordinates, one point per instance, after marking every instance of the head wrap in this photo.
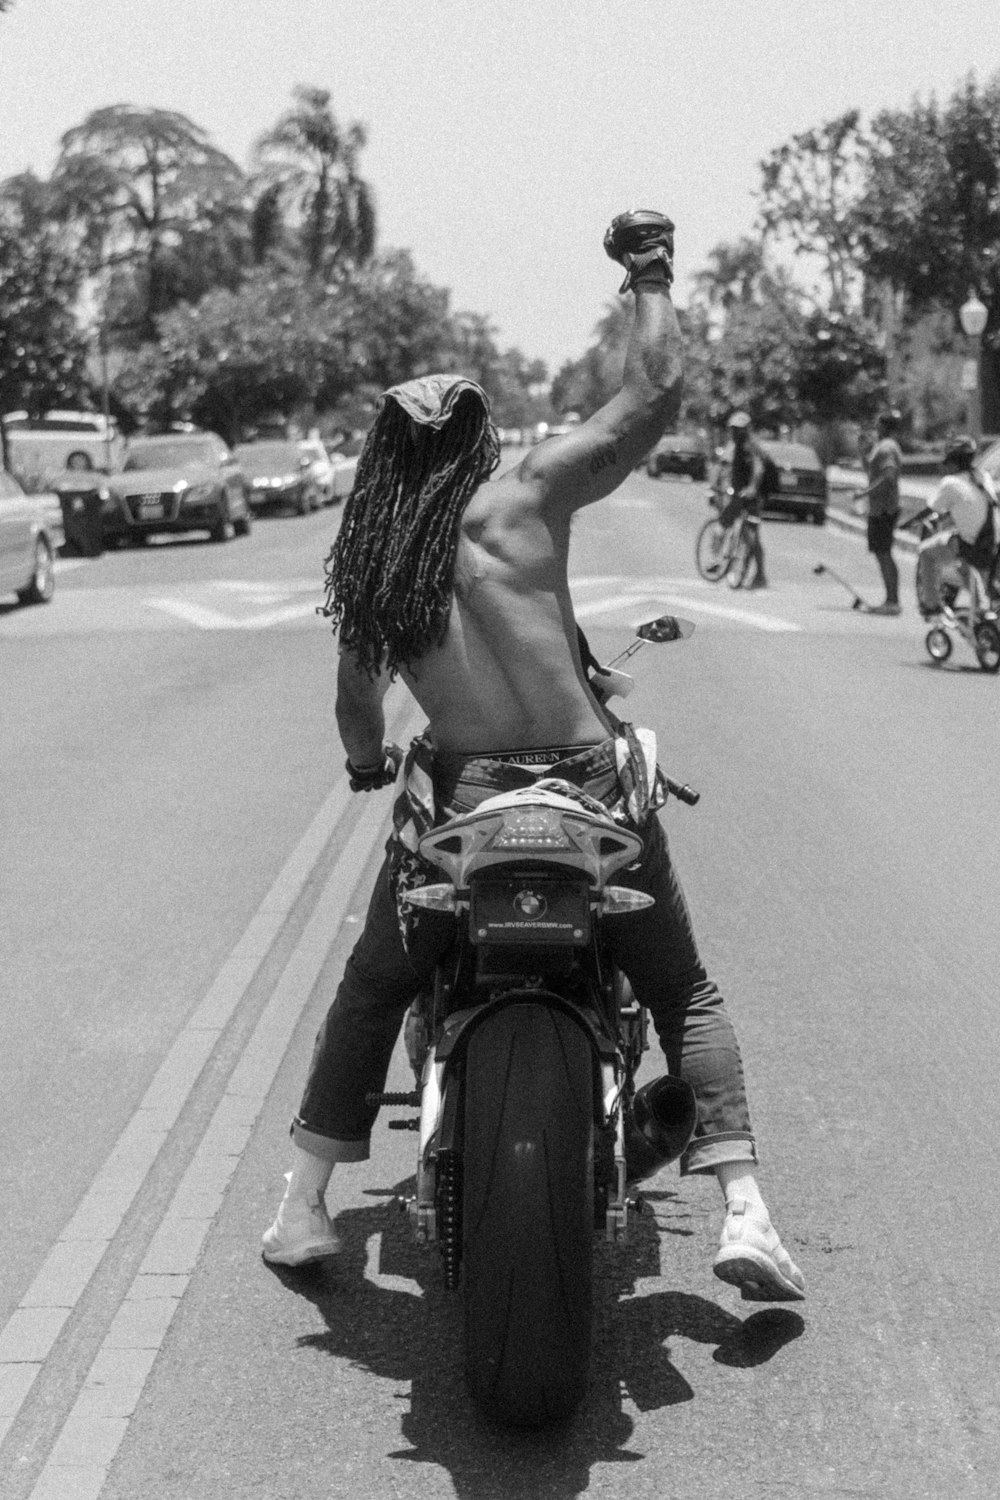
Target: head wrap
(431, 399)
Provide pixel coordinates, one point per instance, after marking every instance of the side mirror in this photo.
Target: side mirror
(666, 628)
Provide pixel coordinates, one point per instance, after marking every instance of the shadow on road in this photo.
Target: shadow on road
(398, 1322)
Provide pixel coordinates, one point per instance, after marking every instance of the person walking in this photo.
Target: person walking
(460, 587)
(884, 465)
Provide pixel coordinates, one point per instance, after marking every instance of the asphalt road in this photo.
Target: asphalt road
(183, 875)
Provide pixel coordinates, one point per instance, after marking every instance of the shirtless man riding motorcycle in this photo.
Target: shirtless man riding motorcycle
(460, 586)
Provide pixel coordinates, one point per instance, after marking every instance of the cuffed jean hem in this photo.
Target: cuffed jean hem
(328, 1149)
(709, 1152)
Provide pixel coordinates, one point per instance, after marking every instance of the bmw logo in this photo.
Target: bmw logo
(530, 904)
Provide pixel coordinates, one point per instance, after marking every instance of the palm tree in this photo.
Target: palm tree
(312, 165)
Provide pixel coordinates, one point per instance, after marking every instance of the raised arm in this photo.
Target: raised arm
(589, 462)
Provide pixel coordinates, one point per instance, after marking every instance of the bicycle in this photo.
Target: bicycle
(722, 551)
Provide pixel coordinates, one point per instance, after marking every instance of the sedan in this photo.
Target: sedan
(179, 482)
(678, 453)
(794, 480)
(31, 533)
(280, 474)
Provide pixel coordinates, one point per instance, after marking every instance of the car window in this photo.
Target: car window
(285, 454)
(177, 455)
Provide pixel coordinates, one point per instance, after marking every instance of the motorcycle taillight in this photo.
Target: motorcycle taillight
(532, 828)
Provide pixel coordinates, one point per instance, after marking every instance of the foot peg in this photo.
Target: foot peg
(411, 1100)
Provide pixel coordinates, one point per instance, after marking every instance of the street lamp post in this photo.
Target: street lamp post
(972, 315)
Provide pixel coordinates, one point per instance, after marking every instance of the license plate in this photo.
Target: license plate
(151, 510)
(789, 482)
(527, 911)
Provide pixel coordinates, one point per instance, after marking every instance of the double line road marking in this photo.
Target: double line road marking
(76, 1466)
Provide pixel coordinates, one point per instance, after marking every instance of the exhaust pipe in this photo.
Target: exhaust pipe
(658, 1126)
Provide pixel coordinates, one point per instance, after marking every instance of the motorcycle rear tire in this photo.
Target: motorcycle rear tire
(528, 1215)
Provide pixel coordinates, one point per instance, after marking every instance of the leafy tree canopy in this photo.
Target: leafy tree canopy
(307, 167)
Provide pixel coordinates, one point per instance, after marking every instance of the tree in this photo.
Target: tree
(809, 190)
(929, 218)
(148, 194)
(585, 384)
(42, 351)
(840, 372)
(309, 165)
(735, 273)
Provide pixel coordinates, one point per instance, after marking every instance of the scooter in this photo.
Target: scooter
(532, 1132)
(858, 602)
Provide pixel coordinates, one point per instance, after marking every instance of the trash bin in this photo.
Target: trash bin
(81, 509)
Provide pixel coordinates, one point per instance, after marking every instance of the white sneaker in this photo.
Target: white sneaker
(302, 1232)
(752, 1257)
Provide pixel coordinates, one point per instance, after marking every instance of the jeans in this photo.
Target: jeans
(938, 564)
(655, 948)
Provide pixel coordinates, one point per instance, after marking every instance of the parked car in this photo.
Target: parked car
(179, 482)
(44, 446)
(280, 474)
(322, 469)
(796, 481)
(31, 533)
(678, 453)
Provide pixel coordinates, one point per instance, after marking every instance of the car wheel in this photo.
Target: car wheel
(819, 517)
(653, 469)
(43, 576)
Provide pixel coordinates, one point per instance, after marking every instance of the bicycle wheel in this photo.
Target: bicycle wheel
(739, 567)
(711, 554)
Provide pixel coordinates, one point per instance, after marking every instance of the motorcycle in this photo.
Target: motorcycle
(532, 1133)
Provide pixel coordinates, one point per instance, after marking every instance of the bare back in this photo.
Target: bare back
(508, 673)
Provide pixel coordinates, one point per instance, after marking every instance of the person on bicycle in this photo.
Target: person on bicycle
(747, 480)
(968, 498)
(884, 465)
(460, 586)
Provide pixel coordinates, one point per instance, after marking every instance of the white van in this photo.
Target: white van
(40, 450)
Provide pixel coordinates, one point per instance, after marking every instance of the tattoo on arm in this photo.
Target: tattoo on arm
(605, 457)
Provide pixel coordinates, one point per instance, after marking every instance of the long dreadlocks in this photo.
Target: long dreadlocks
(389, 573)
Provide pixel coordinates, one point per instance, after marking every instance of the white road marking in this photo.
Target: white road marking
(385, 1280)
(28, 1337)
(83, 1452)
(212, 619)
(631, 599)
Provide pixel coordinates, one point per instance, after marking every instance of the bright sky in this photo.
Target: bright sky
(504, 134)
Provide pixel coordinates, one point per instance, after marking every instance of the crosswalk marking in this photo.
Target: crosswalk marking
(646, 596)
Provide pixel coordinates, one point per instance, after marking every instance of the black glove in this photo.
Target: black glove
(371, 778)
(643, 242)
